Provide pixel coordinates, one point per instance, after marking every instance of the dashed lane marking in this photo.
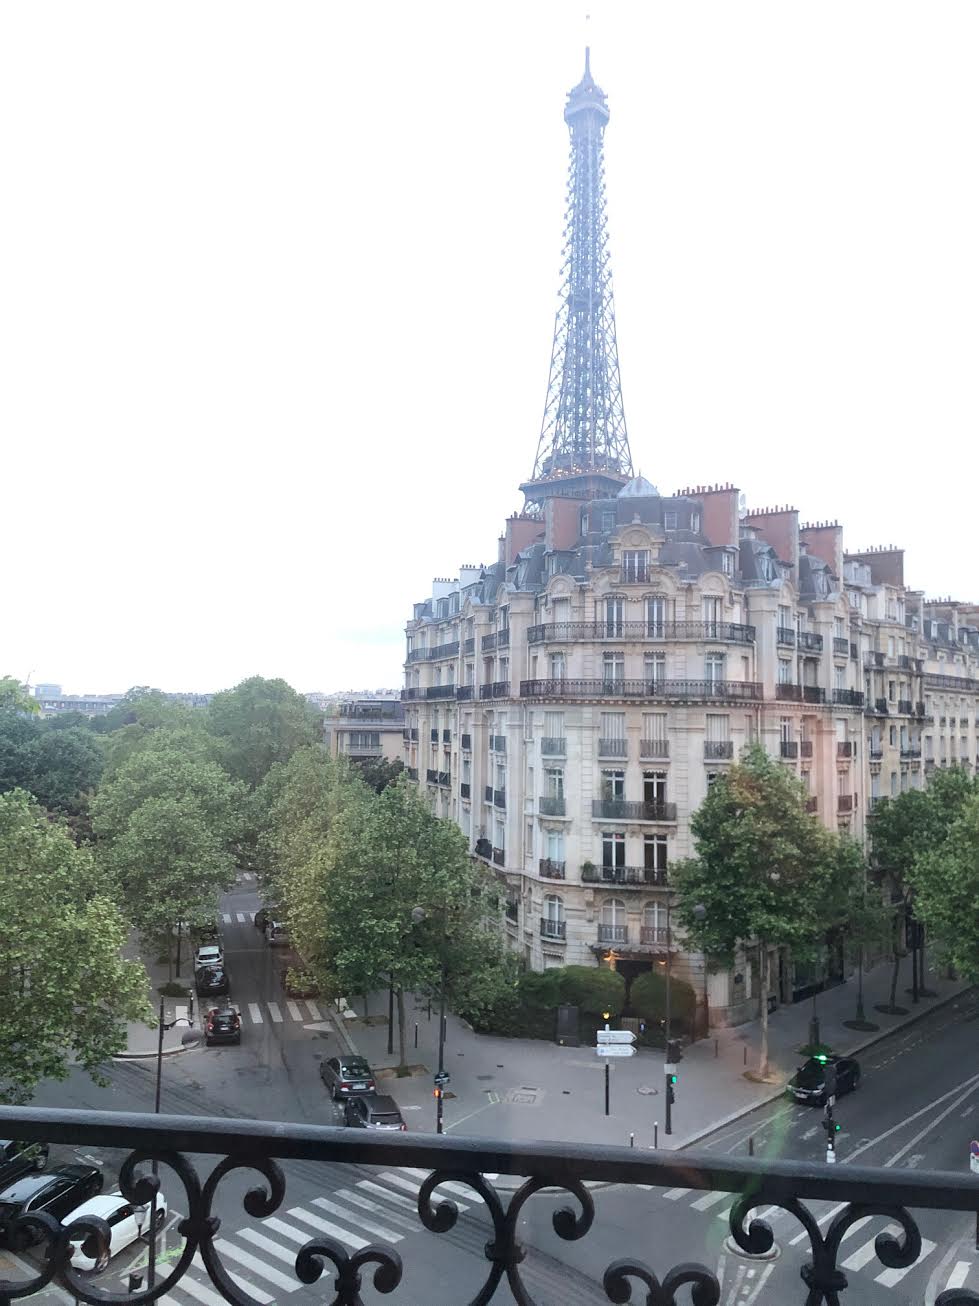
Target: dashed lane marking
(314, 1010)
(275, 1013)
(674, 1194)
(294, 1011)
(708, 1200)
(958, 1275)
(255, 1011)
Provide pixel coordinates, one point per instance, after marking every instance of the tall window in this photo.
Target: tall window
(612, 733)
(654, 787)
(555, 845)
(653, 923)
(613, 850)
(656, 616)
(554, 782)
(839, 628)
(655, 849)
(669, 521)
(654, 667)
(784, 671)
(553, 909)
(613, 667)
(613, 784)
(718, 728)
(839, 677)
(613, 919)
(558, 666)
(554, 725)
(784, 616)
(714, 668)
(498, 835)
(654, 727)
(713, 609)
(614, 615)
(785, 729)
(635, 564)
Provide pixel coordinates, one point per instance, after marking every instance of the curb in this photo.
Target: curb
(152, 1056)
(850, 1051)
(342, 1033)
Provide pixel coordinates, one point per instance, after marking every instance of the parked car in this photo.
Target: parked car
(345, 1076)
(264, 915)
(17, 1158)
(276, 933)
(222, 1025)
(208, 954)
(212, 980)
(808, 1084)
(124, 1225)
(56, 1193)
(373, 1111)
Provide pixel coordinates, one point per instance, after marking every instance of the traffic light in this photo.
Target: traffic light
(671, 1082)
(831, 1126)
(437, 1093)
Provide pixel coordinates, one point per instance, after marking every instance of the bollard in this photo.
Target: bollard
(751, 1146)
(416, 1033)
(716, 1048)
(656, 1140)
(746, 1054)
(632, 1140)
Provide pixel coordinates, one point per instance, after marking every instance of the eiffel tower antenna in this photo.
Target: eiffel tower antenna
(583, 451)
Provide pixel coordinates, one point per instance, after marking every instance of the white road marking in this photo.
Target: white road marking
(958, 1275)
(673, 1194)
(226, 917)
(971, 1083)
(287, 1230)
(294, 1011)
(274, 1012)
(708, 1200)
(327, 1226)
(397, 1199)
(250, 1288)
(255, 1011)
(377, 1229)
(256, 1266)
(241, 917)
(410, 1186)
(204, 1294)
(823, 1219)
(273, 1248)
(891, 1277)
(866, 1252)
(855, 1227)
(358, 1199)
(313, 1009)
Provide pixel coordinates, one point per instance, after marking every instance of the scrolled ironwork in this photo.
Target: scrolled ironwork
(311, 1258)
(705, 1290)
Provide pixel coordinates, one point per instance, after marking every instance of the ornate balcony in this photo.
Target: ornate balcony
(464, 693)
(848, 697)
(557, 931)
(412, 772)
(464, 790)
(551, 870)
(787, 692)
(805, 748)
(434, 736)
(637, 877)
(613, 934)
(905, 707)
(613, 748)
(785, 636)
(444, 651)
(488, 794)
(654, 748)
(498, 743)
(570, 632)
(445, 779)
(844, 802)
(467, 743)
(845, 748)
(413, 693)
(469, 645)
(619, 809)
(688, 691)
(812, 804)
(499, 857)
(497, 689)
(910, 754)
(440, 691)
(880, 706)
(553, 746)
(551, 806)
(789, 748)
(652, 935)
(197, 1154)
(810, 642)
(499, 798)
(718, 750)
(432, 776)
(841, 647)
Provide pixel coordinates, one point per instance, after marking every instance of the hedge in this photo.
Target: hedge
(533, 1011)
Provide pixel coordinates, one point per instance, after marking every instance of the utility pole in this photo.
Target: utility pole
(668, 1069)
(829, 1124)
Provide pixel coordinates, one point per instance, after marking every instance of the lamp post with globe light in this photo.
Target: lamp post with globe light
(418, 914)
(189, 1037)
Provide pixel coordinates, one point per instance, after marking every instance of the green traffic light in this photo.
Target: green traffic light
(673, 1079)
(836, 1128)
(821, 1058)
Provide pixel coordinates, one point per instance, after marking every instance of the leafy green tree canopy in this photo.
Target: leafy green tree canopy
(15, 698)
(261, 722)
(65, 991)
(945, 879)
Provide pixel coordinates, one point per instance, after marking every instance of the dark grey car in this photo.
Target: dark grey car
(373, 1111)
(347, 1077)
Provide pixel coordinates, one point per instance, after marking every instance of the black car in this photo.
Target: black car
(266, 914)
(17, 1158)
(222, 1025)
(56, 1193)
(344, 1076)
(373, 1112)
(212, 980)
(808, 1084)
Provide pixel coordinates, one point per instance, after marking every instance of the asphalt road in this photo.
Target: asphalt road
(918, 1105)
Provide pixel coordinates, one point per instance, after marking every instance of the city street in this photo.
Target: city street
(918, 1105)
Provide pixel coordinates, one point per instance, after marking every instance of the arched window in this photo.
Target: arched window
(653, 923)
(612, 928)
(552, 924)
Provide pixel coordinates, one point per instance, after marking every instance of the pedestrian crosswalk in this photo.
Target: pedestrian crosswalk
(261, 1257)
(301, 1012)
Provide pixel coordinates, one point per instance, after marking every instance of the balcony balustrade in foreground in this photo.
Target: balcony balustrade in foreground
(183, 1147)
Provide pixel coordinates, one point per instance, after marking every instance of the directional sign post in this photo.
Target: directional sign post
(613, 1043)
(615, 1050)
(614, 1036)
(441, 1078)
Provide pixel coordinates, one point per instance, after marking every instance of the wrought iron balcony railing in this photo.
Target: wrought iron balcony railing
(844, 802)
(790, 748)
(654, 748)
(440, 691)
(467, 743)
(552, 806)
(613, 934)
(550, 929)
(624, 876)
(499, 857)
(841, 647)
(497, 689)
(569, 632)
(550, 869)
(553, 746)
(718, 750)
(787, 692)
(905, 707)
(698, 691)
(499, 798)
(498, 743)
(812, 804)
(809, 642)
(196, 1155)
(613, 748)
(444, 651)
(464, 693)
(445, 779)
(464, 790)
(488, 793)
(845, 748)
(432, 776)
(469, 645)
(620, 809)
(848, 697)
(412, 772)
(805, 748)
(785, 636)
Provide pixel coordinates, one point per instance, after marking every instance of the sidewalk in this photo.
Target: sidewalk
(143, 1040)
(527, 1089)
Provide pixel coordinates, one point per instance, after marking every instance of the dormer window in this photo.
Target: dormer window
(635, 564)
(695, 522)
(727, 564)
(669, 521)
(608, 522)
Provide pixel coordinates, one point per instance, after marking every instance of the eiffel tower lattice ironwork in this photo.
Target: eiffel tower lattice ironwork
(584, 447)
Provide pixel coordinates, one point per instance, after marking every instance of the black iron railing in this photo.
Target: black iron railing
(440, 691)
(499, 798)
(551, 806)
(717, 750)
(909, 753)
(445, 779)
(444, 651)
(497, 689)
(550, 929)
(464, 789)
(446, 736)
(812, 805)
(413, 693)
(848, 697)
(613, 748)
(434, 736)
(499, 857)
(637, 876)
(553, 746)
(880, 705)
(550, 869)
(621, 809)
(789, 748)
(787, 692)
(844, 802)
(844, 748)
(182, 1147)
(952, 682)
(498, 743)
(432, 776)
(805, 748)
(469, 645)
(729, 632)
(655, 748)
(412, 772)
(810, 642)
(666, 690)
(841, 647)
(467, 743)
(905, 707)
(464, 693)
(785, 636)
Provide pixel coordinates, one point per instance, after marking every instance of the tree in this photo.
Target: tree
(168, 826)
(15, 698)
(763, 870)
(945, 880)
(378, 772)
(647, 997)
(61, 768)
(261, 722)
(154, 721)
(65, 992)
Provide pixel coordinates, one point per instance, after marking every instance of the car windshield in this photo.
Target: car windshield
(356, 1069)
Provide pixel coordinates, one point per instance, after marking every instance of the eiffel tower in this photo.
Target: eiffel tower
(583, 451)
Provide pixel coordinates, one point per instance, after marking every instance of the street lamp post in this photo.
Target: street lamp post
(668, 1068)
(188, 1037)
(418, 914)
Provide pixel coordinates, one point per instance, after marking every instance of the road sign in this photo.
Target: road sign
(615, 1050)
(441, 1077)
(614, 1036)
(669, 1067)
(974, 1156)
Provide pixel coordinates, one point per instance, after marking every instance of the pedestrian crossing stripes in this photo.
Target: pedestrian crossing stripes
(302, 1012)
(261, 1258)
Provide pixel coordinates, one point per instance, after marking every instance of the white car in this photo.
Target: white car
(120, 1215)
(207, 955)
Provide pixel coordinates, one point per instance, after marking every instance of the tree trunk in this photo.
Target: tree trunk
(180, 926)
(170, 953)
(894, 975)
(763, 969)
(401, 1028)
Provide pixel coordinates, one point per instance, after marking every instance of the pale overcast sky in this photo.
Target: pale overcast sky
(277, 286)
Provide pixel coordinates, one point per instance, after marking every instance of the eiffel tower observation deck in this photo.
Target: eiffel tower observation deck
(583, 451)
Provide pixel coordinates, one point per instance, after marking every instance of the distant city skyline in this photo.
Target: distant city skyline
(238, 411)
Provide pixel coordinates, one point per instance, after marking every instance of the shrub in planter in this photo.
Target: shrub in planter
(647, 998)
(591, 988)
